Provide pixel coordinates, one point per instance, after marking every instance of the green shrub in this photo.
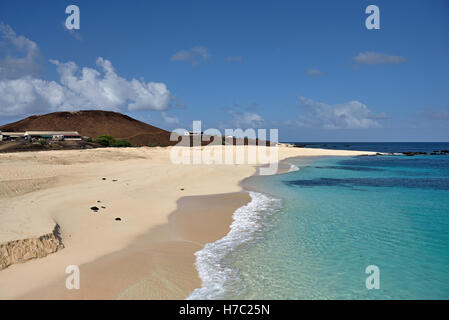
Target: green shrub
(88, 139)
(122, 144)
(43, 142)
(105, 140)
(109, 141)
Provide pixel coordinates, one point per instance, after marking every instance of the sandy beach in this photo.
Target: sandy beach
(167, 212)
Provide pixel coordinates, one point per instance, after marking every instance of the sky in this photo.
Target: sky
(310, 69)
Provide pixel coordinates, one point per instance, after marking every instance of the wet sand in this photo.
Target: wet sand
(160, 263)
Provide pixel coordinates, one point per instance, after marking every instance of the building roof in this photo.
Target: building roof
(49, 133)
(9, 133)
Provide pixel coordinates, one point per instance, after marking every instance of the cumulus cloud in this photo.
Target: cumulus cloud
(29, 95)
(81, 88)
(377, 58)
(194, 55)
(349, 115)
(314, 72)
(29, 62)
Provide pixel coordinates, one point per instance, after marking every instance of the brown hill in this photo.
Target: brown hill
(93, 123)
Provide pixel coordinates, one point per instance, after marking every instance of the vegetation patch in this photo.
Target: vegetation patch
(109, 141)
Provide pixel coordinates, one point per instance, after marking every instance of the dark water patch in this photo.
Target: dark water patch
(350, 168)
(397, 161)
(427, 183)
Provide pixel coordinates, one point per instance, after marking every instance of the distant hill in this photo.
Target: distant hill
(93, 123)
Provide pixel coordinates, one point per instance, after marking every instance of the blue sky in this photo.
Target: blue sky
(309, 68)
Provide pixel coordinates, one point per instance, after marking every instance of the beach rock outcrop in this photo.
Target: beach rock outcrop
(410, 154)
(19, 251)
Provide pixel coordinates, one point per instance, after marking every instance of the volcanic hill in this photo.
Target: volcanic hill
(93, 123)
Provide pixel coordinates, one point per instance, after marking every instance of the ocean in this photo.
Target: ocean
(311, 233)
(383, 147)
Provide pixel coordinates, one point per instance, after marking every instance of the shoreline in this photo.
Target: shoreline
(162, 258)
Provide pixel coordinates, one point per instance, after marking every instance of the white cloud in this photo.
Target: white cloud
(377, 58)
(78, 88)
(349, 115)
(91, 88)
(29, 64)
(314, 72)
(28, 95)
(193, 55)
(81, 88)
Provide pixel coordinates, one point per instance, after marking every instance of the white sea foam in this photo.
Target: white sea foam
(217, 278)
(293, 168)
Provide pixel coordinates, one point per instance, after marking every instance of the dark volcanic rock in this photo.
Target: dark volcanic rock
(414, 153)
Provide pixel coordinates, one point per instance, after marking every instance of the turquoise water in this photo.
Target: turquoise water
(311, 233)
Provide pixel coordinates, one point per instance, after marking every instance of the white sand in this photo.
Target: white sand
(39, 189)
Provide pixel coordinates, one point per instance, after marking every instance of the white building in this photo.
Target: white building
(53, 135)
(7, 135)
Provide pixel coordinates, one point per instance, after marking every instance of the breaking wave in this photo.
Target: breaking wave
(219, 280)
